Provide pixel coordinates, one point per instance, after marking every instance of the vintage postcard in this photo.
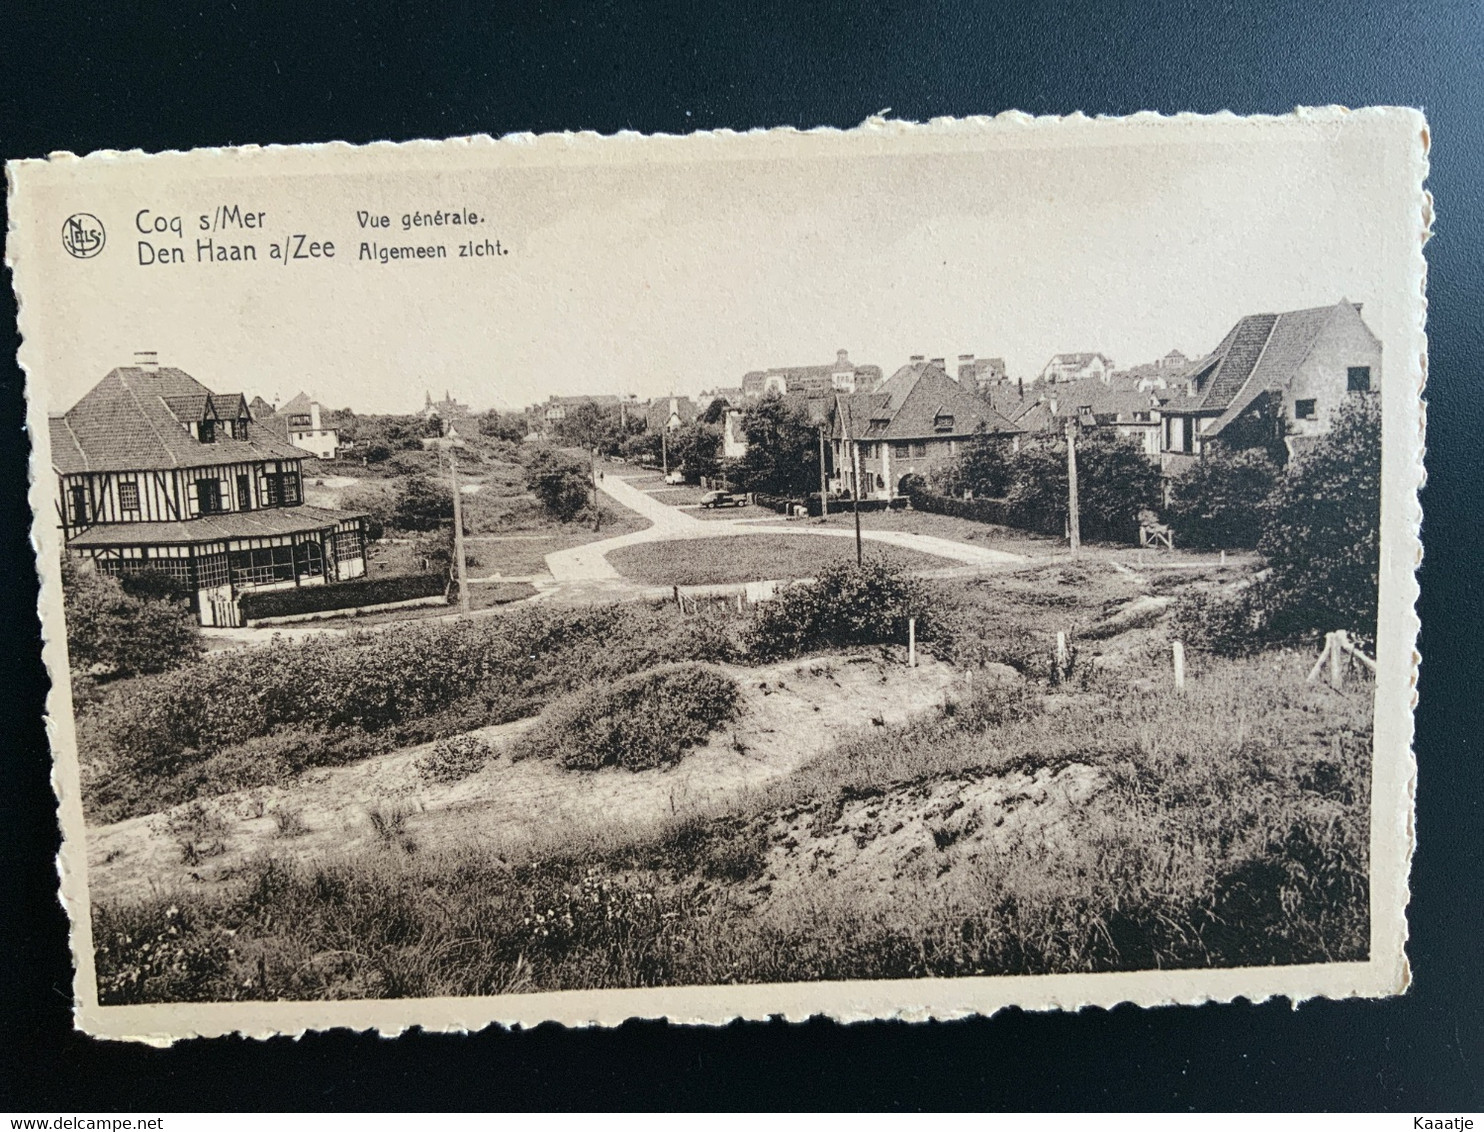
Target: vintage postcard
(899, 572)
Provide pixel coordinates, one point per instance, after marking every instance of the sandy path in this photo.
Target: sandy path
(792, 712)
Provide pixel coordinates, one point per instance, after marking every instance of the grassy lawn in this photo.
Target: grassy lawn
(749, 558)
(677, 495)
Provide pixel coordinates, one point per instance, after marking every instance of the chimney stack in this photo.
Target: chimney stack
(941, 363)
(314, 415)
(147, 359)
(917, 359)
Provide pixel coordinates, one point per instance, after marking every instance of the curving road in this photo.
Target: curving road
(588, 564)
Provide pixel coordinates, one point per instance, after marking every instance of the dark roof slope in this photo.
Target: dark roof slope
(126, 422)
(910, 404)
(213, 528)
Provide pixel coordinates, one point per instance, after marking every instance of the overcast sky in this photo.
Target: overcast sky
(646, 278)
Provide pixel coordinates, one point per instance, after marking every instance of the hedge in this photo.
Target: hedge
(979, 510)
(342, 595)
(785, 504)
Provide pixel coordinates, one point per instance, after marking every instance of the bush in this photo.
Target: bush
(645, 720)
(846, 605)
(562, 485)
(422, 504)
(1227, 624)
(118, 634)
(1219, 501)
(342, 595)
(454, 759)
(1322, 530)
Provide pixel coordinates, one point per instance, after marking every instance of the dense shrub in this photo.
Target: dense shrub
(645, 720)
(782, 455)
(353, 594)
(1115, 481)
(117, 634)
(422, 504)
(1219, 501)
(562, 485)
(1227, 624)
(1322, 527)
(846, 605)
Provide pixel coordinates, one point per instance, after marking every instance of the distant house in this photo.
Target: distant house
(445, 410)
(814, 382)
(1273, 378)
(1121, 409)
(912, 423)
(556, 408)
(982, 374)
(156, 472)
(1157, 374)
(669, 413)
(299, 423)
(1077, 367)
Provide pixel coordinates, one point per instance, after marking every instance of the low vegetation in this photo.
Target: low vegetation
(260, 716)
(641, 721)
(1228, 826)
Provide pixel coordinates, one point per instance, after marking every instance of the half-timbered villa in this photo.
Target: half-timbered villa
(157, 472)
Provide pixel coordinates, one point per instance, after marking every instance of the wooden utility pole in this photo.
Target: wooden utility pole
(1074, 519)
(458, 532)
(824, 503)
(664, 452)
(855, 499)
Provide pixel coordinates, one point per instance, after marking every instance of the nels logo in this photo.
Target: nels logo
(82, 235)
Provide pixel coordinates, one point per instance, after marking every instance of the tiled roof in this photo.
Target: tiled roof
(909, 404)
(126, 423)
(1261, 352)
(212, 528)
(299, 403)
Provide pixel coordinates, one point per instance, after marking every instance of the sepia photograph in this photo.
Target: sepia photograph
(899, 572)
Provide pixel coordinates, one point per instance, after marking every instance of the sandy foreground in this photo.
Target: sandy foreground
(791, 712)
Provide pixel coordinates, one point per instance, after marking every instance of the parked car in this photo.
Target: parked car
(723, 499)
(674, 477)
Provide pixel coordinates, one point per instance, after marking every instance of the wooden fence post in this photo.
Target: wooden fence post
(1336, 656)
(1178, 650)
(911, 642)
(1061, 656)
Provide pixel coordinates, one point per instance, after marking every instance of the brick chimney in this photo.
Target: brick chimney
(147, 359)
(917, 359)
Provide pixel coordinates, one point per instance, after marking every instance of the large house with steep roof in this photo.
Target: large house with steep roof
(1274, 379)
(156, 472)
(911, 424)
